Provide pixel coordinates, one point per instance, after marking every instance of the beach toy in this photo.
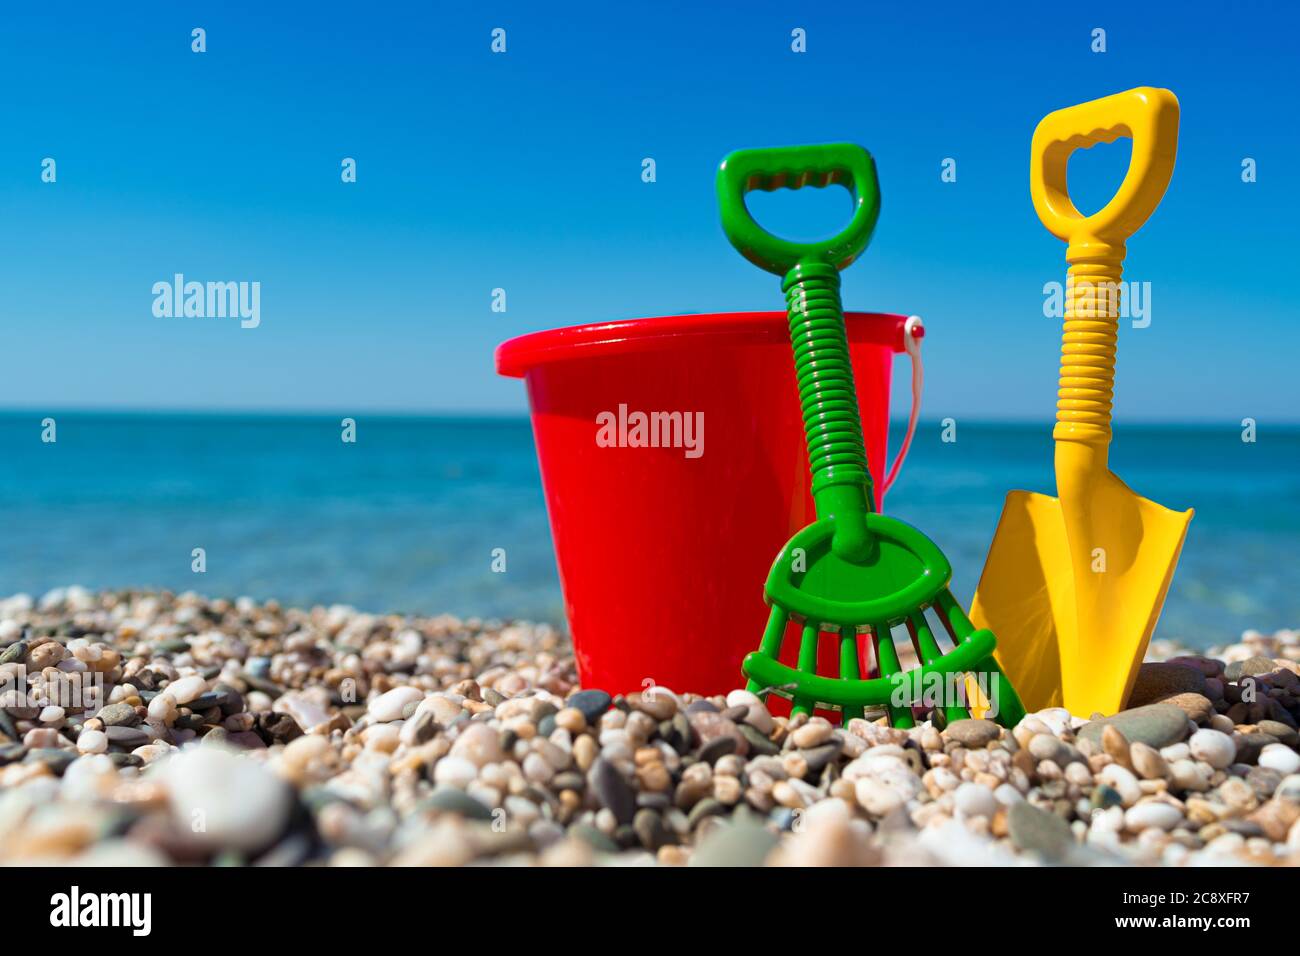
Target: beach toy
(1073, 584)
(852, 571)
(660, 552)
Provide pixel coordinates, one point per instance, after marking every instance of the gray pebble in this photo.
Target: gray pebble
(591, 703)
(594, 838)
(128, 737)
(1250, 667)
(739, 844)
(119, 715)
(716, 748)
(455, 800)
(1038, 831)
(708, 807)
(973, 732)
(612, 790)
(650, 829)
(759, 743)
(1156, 725)
(57, 760)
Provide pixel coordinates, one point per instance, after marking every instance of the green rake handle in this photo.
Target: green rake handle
(793, 167)
(841, 481)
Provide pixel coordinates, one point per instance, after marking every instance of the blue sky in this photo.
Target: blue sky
(522, 171)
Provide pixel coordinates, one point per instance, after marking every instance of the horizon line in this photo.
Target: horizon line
(524, 415)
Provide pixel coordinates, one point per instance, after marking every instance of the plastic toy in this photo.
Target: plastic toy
(852, 568)
(1074, 584)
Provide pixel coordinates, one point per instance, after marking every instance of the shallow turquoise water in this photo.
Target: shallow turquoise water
(407, 518)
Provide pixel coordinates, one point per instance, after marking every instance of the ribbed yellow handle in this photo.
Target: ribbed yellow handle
(1149, 116)
(1087, 385)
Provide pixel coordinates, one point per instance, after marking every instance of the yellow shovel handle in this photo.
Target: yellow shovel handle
(1148, 116)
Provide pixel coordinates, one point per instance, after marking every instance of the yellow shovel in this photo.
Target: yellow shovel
(1073, 584)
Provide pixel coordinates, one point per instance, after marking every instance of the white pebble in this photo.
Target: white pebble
(51, 714)
(975, 800)
(186, 689)
(1153, 815)
(455, 772)
(240, 803)
(389, 706)
(1279, 757)
(1178, 751)
(877, 798)
(1214, 747)
(1123, 782)
(92, 742)
(758, 716)
(1007, 795)
(1190, 775)
(479, 744)
(163, 707)
(536, 769)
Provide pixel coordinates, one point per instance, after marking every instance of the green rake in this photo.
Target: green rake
(852, 573)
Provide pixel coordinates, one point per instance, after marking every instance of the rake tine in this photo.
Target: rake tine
(849, 666)
(807, 664)
(887, 656)
(773, 638)
(1010, 711)
(928, 647)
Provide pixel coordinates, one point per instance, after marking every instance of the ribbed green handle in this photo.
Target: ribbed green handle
(841, 482)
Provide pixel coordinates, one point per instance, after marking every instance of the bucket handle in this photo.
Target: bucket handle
(913, 332)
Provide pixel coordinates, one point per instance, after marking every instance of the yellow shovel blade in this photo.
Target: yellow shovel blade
(1073, 623)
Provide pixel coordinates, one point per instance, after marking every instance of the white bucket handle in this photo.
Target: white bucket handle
(913, 329)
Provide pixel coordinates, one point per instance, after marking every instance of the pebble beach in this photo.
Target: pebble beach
(150, 728)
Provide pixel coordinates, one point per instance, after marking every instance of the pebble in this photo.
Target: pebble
(612, 790)
(1197, 707)
(1036, 831)
(1156, 725)
(391, 705)
(129, 737)
(651, 831)
(1152, 815)
(221, 799)
(877, 798)
(1157, 681)
(1147, 762)
(118, 715)
(737, 844)
(973, 732)
(454, 800)
(186, 689)
(756, 712)
(455, 772)
(1281, 758)
(479, 745)
(1250, 667)
(92, 742)
(590, 703)
(812, 734)
(975, 800)
(1214, 747)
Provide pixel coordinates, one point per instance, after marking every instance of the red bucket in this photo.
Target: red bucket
(665, 530)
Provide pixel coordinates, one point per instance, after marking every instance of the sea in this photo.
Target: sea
(416, 513)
